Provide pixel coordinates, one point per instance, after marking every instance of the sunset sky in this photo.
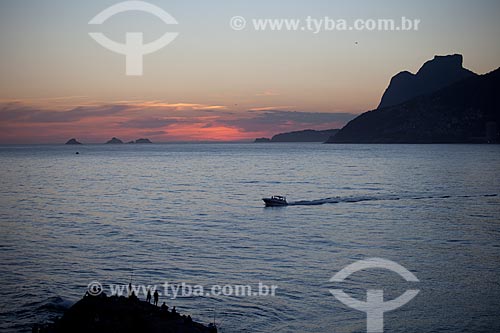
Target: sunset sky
(212, 82)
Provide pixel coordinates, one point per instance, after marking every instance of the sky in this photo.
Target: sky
(215, 83)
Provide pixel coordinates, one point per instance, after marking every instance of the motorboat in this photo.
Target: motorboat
(275, 201)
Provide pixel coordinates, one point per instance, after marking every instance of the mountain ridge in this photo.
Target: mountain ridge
(307, 135)
(468, 111)
(434, 75)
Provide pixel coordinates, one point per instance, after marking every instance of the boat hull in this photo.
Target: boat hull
(270, 202)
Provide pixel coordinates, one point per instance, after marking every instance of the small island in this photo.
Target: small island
(143, 141)
(73, 142)
(140, 141)
(102, 314)
(114, 141)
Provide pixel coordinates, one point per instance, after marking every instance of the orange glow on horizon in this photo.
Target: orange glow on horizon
(200, 132)
(92, 122)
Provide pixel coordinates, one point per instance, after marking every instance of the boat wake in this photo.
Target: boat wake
(352, 199)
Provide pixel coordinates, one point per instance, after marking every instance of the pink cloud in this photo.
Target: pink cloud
(22, 123)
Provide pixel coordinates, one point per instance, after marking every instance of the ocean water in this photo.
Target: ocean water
(193, 213)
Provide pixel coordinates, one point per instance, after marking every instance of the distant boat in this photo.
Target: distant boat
(275, 201)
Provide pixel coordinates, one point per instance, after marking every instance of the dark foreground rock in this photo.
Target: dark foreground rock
(101, 314)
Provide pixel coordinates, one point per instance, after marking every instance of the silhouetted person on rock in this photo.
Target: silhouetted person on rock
(130, 289)
(156, 296)
(164, 307)
(148, 297)
(174, 312)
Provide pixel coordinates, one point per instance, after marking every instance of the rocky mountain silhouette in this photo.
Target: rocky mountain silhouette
(467, 111)
(435, 74)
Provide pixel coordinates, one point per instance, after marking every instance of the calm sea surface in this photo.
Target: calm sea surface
(193, 213)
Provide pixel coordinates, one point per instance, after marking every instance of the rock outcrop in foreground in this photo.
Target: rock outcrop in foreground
(101, 314)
